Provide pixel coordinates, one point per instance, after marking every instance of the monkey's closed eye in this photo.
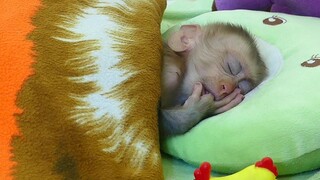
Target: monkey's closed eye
(234, 67)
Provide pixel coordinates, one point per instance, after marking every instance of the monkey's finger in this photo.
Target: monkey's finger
(207, 97)
(237, 100)
(197, 90)
(195, 96)
(228, 98)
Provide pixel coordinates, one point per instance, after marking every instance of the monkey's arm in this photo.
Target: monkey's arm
(178, 120)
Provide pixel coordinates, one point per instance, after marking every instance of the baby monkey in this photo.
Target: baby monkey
(206, 71)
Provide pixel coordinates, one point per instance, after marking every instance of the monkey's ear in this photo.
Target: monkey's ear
(185, 38)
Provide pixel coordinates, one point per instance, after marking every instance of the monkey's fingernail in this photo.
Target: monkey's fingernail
(197, 85)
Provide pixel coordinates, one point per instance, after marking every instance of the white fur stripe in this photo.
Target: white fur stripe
(93, 25)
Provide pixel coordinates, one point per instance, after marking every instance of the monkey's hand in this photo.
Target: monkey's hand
(207, 105)
(178, 120)
(198, 102)
(229, 101)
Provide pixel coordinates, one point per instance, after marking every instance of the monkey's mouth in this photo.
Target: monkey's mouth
(206, 90)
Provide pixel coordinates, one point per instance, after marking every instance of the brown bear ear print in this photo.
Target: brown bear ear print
(274, 21)
(314, 61)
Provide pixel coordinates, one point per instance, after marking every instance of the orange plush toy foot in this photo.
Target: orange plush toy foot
(262, 170)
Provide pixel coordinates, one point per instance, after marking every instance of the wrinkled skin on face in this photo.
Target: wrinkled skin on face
(207, 70)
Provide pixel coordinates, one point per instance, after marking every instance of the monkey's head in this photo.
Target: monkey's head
(220, 56)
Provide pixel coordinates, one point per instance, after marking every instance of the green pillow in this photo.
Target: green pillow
(182, 10)
(280, 119)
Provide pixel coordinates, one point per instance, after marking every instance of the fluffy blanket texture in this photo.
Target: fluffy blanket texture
(87, 108)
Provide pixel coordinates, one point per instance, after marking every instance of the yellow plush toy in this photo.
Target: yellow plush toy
(262, 170)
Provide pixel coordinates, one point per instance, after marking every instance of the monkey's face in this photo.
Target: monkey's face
(220, 72)
(222, 66)
(221, 56)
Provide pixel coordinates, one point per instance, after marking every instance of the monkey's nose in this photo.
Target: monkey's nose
(225, 89)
